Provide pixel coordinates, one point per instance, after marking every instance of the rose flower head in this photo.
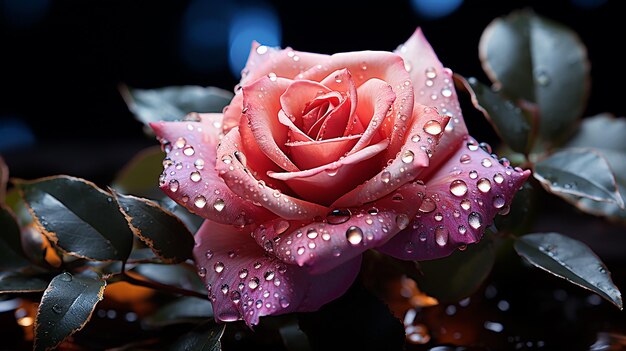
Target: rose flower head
(319, 158)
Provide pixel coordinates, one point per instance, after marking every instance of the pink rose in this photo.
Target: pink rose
(319, 158)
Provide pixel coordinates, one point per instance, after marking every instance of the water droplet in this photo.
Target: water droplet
(462, 229)
(409, 247)
(385, 177)
(465, 158)
(431, 72)
(188, 150)
(284, 303)
(498, 201)
(325, 236)
(446, 92)
(402, 220)
(438, 217)
(57, 309)
(441, 235)
(202, 272)
(218, 267)
(224, 289)
(227, 159)
(428, 205)
(199, 201)
(354, 235)
(433, 127)
(422, 236)
(269, 275)
(416, 138)
(458, 188)
(408, 156)
(185, 198)
(180, 143)
(243, 273)
(336, 251)
(542, 77)
(338, 216)
(475, 220)
(195, 176)
(235, 296)
(466, 204)
(241, 157)
(498, 178)
(209, 254)
(262, 49)
(272, 76)
(174, 185)
(257, 265)
(473, 174)
(486, 162)
(300, 250)
(373, 211)
(472, 145)
(311, 233)
(484, 185)
(232, 254)
(281, 227)
(253, 283)
(199, 163)
(66, 277)
(397, 197)
(219, 205)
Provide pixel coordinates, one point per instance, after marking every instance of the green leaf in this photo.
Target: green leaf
(533, 58)
(605, 134)
(139, 175)
(507, 120)
(457, 276)
(579, 172)
(571, 260)
(78, 217)
(159, 229)
(182, 310)
(173, 103)
(205, 338)
(11, 252)
(521, 212)
(66, 306)
(21, 283)
(180, 275)
(4, 178)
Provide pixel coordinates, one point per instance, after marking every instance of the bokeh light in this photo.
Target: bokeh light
(588, 4)
(22, 14)
(14, 133)
(434, 9)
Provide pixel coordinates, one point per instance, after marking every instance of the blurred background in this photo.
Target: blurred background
(63, 60)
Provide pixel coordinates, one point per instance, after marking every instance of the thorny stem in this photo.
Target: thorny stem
(158, 286)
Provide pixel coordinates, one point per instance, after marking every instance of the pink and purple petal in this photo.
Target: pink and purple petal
(245, 282)
(462, 198)
(343, 233)
(189, 177)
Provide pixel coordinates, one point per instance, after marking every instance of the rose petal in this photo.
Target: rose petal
(344, 234)
(243, 281)
(312, 154)
(412, 159)
(463, 197)
(293, 102)
(262, 104)
(335, 178)
(232, 113)
(386, 66)
(375, 99)
(190, 178)
(339, 121)
(232, 167)
(434, 87)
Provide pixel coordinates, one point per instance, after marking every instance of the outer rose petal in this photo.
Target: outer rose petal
(232, 167)
(375, 99)
(408, 163)
(434, 87)
(190, 178)
(463, 197)
(344, 234)
(245, 282)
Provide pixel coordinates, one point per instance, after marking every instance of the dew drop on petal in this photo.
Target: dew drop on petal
(261, 49)
(466, 204)
(416, 138)
(428, 205)
(224, 289)
(385, 177)
(219, 205)
(486, 162)
(498, 201)
(174, 185)
(441, 235)
(408, 156)
(431, 72)
(227, 159)
(218, 267)
(373, 211)
(241, 157)
(433, 127)
(458, 187)
(284, 303)
(446, 92)
(438, 216)
(199, 201)
(243, 273)
(209, 254)
(338, 216)
(472, 145)
(484, 185)
(462, 229)
(354, 235)
(402, 220)
(311, 233)
(300, 250)
(235, 296)
(473, 174)
(253, 283)
(202, 272)
(465, 158)
(498, 178)
(180, 143)
(422, 236)
(195, 176)
(269, 275)
(475, 220)
(325, 236)
(199, 163)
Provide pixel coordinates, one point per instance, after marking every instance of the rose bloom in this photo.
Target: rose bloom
(319, 158)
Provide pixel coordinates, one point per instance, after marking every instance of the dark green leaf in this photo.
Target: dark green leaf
(159, 229)
(11, 252)
(180, 275)
(183, 310)
(66, 306)
(4, 178)
(571, 260)
(80, 218)
(530, 57)
(21, 283)
(139, 176)
(204, 338)
(521, 213)
(508, 120)
(457, 276)
(173, 103)
(579, 172)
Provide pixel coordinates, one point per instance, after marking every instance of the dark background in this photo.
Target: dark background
(62, 61)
